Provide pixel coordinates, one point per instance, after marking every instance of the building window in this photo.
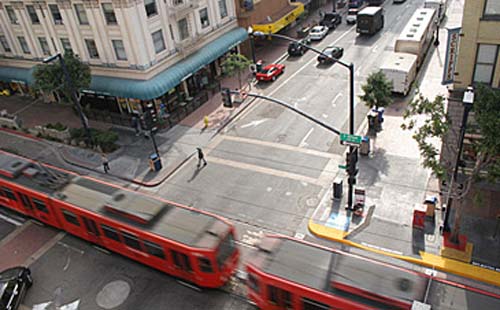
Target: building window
(5, 44)
(205, 22)
(485, 63)
(24, 45)
(109, 13)
(92, 48)
(223, 8)
(119, 50)
(44, 45)
(183, 29)
(81, 14)
(11, 14)
(66, 45)
(32, 13)
(70, 217)
(158, 41)
(56, 15)
(492, 7)
(150, 6)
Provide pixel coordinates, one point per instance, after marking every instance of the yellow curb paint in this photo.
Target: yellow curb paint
(427, 260)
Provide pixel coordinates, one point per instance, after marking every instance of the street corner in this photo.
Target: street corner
(326, 232)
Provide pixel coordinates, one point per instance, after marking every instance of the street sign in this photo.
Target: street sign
(342, 166)
(350, 139)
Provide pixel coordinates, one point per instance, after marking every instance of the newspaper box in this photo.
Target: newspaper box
(359, 196)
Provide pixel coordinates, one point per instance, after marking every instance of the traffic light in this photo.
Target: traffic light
(226, 98)
(351, 162)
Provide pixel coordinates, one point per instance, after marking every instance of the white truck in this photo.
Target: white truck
(401, 69)
(439, 5)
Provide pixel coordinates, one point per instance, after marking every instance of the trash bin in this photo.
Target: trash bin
(154, 162)
(364, 149)
(337, 188)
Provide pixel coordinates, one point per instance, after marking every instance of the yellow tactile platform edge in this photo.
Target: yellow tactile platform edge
(428, 260)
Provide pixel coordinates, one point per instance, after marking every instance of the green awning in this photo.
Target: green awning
(172, 76)
(11, 74)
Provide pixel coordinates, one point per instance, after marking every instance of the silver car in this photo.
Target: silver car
(318, 33)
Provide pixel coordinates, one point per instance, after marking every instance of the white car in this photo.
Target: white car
(318, 33)
(352, 15)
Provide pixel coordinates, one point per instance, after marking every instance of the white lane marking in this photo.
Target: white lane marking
(303, 143)
(10, 220)
(254, 123)
(189, 285)
(324, 115)
(334, 101)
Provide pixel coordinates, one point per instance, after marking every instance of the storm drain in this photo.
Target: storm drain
(113, 294)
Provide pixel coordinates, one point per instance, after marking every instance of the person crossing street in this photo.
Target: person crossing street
(201, 157)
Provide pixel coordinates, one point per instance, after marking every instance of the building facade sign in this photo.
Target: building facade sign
(451, 55)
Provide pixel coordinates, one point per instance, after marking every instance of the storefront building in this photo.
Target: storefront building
(163, 55)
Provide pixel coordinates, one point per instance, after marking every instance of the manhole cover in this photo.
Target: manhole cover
(113, 294)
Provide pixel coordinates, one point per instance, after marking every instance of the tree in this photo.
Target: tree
(236, 64)
(482, 159)
(50, 77)
(378, 91)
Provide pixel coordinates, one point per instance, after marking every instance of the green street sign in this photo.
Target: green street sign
(342, 166)
(350, 139)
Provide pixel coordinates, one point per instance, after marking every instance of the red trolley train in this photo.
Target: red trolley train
(291, 274)
(190, 244)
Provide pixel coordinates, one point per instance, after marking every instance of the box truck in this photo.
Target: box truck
(401, 69)
(370, 20)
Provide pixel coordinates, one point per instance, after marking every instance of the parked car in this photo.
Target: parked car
(318, 33)
(298, 48)
(270, 72)
(14, 283)
(332, 52)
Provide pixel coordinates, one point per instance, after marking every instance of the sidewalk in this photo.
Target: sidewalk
(395, 184)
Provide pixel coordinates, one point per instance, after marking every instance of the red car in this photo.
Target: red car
(270, 72)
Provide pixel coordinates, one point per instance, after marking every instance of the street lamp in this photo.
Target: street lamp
(467, 100)
(438, 21)
(350, 67)
(68, 79)
(252, 44)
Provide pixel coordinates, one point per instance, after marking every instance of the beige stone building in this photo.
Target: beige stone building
(140, 51)
(478, 61)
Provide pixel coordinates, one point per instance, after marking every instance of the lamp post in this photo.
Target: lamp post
(252, 44)
(438, 21)
(468, 100)
(350, 67)
(68, 79)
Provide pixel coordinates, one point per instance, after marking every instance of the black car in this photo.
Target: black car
(331, 51)
(298, 49)
(14, 283)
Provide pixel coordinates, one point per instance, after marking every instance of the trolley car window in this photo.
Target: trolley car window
(131, 241)
(9, 194)
(310, 304)
(226, 248)
(205, 265)
(70, 217)
(91, 226)
(272, 294)
(26, 201)
(110, 233)
(181, 260)
(253, 283)
(154, 249)
(40, 206)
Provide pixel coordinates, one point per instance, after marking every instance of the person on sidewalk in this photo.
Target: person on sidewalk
(105, 163)
(201, 158)
(136, 125)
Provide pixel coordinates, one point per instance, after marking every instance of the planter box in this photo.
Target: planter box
(47, 132)
(10, 121)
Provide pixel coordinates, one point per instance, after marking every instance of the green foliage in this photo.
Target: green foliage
(57, 126)
(235, 64)
(377, 91)
(436, 125)
(105, 139)
(50, 77)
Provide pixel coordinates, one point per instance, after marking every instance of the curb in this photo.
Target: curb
(427, 260)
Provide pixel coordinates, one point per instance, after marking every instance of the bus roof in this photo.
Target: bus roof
(187, 226)
(417, 26)
(370, 10)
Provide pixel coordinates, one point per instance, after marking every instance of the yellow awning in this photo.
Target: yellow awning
(283, 21)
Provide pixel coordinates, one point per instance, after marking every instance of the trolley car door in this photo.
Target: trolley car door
(92, 231)
(183, 265)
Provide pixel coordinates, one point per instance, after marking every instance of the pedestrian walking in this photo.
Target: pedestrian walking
(136, 125)
(201, 158)
(105, 163)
